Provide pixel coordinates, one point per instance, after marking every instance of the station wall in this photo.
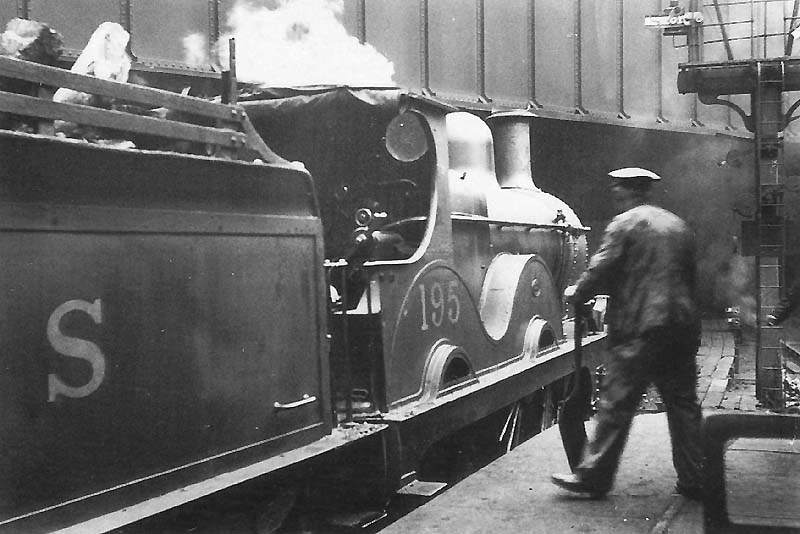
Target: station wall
(593, 59)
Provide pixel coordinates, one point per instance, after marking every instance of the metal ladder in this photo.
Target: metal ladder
(767, 109)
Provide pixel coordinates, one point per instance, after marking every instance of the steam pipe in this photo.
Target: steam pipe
(512, 149)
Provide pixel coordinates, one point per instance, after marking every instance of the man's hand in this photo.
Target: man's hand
(569, 293)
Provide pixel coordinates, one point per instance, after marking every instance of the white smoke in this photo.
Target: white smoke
(301, 42)
(195, 48)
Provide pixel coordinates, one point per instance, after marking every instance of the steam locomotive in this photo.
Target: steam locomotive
(175, 325)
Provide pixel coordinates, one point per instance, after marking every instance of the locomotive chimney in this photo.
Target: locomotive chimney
(512, 149)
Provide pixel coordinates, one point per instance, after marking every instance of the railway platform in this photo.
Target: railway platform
(514, 493)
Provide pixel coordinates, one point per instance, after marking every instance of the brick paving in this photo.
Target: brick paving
(725, 370)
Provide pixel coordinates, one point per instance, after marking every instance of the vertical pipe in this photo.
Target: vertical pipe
(125, 22)
(694, 39)
(480, 52)
(621, 61)
(695, 113)
(125, 15)
(532, 103)
(755, 111)
(361, 20)
(213, 20)
(23, 9)
(233, 88)
(766, 26)
(347, 367)
(424, 48)
(695, 45)
(660, 79)
(577, 60)
(757, 259)
(213, 27)
(752, 31)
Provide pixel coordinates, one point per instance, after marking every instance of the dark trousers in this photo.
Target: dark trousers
(666, 358)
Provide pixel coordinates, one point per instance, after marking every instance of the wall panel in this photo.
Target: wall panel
(774, 27)
(225, 7)
(453, 48)
(519, 51)
(695, 186)
(75, 20)
(8, 11)
(394, 30)
(508, 50)
(599, 59)
(756, 22)
(676, 108)
(736, 122)
(352, 15)
(715, 49)
(640, 75)
(738, 30)
(555, 54)
(713, 116)
(159, 28)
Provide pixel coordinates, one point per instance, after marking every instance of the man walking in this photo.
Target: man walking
(646, 264)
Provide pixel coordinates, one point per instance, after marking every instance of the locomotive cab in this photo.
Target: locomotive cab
(370, 203)
(446, 263)
(374, 171)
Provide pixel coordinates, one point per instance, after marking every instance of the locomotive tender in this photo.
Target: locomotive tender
(175, 324)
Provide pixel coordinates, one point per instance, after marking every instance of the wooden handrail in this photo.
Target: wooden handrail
(56, 77)
(118, 120)
(229, 127)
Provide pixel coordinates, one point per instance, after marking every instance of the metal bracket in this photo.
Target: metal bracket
(787, 117)
(715, 99)
(533, 105)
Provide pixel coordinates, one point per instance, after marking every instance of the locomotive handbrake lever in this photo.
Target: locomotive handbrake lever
(574, 408)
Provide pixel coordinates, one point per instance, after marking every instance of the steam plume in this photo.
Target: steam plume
(300, 42)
